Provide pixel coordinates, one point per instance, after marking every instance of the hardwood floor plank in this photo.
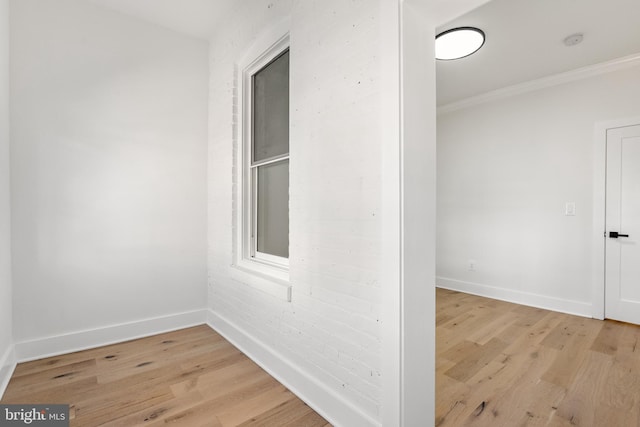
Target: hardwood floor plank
(309, 419)
(579, 335)
(122, 366)
(476, 360)
(217, 380)
(583, 395)
(156, 412)
(620, 395)
(628, 347)
(62, 394)
(56, 376)
(451, 400)
(289, 414)
(538, 412)
(101, 409)
(201, 414)
(447, 339)
(491, 330)
(607, 340)
(459, 352)
(561, 335)
(535, 333)
(254, 406)
(528, 316)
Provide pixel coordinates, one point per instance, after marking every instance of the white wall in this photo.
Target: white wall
(505, 170)
(108, 169)
(6, 327)
(418, 183)
(329, 333)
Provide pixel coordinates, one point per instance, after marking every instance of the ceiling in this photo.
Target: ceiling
(197, 18)
(525, 42)
(524, 37)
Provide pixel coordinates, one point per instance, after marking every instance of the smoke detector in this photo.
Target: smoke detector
(573, 39)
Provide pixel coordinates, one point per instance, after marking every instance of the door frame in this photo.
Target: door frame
(599, 209)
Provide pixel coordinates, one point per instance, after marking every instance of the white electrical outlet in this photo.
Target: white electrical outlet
(472, 265)
(570, 209)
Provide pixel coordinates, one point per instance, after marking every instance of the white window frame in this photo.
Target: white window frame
(251, 175)
(266, 272)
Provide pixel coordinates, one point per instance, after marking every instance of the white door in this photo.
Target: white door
(622, 235)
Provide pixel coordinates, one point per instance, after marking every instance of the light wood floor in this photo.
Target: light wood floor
(497, 364)
(501, 364)
(191, 377)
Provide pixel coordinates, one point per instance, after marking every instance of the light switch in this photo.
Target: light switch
(570, 209)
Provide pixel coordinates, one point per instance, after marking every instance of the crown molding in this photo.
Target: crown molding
(543, 83)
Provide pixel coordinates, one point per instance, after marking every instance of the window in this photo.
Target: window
(262, 221)
(269, 167)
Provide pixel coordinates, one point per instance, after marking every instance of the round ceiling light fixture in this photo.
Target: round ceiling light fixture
(458, 43)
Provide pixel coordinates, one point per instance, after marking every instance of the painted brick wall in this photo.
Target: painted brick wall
(331, 328)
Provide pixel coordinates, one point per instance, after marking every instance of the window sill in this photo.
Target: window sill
(272, 280)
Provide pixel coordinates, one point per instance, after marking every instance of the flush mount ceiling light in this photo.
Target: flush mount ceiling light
(458, 43)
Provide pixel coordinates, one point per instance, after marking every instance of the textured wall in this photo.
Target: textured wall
(330, 329)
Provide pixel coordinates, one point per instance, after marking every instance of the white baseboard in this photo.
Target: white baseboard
(314, 393)
(525, 298)
(7, 366)
(97, 337)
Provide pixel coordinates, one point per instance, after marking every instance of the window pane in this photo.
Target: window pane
(271, 109)
(273, 209)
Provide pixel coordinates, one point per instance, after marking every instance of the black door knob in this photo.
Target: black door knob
(615, 235)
